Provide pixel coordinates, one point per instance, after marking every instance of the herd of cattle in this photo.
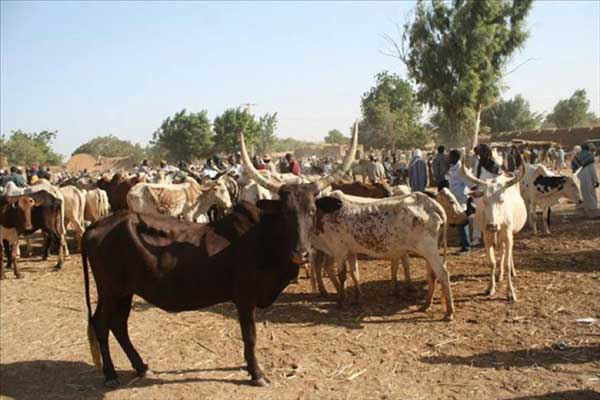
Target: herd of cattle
(144, 238)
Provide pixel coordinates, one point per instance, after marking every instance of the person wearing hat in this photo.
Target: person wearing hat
(16, 176)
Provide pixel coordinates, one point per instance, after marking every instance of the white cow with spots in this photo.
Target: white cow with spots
(388, 229)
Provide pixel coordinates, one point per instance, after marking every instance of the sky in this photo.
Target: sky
(88, 69)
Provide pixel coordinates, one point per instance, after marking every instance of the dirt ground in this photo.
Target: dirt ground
(310, 349)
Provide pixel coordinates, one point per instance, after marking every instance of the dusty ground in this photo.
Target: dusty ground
(383, 349)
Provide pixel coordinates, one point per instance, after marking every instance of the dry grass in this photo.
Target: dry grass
(310, 349)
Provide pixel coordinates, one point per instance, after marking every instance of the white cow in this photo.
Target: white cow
(500, 214)
(389, 229)
(187, 200)
(96, 205)
(74, 210)
(542, 187)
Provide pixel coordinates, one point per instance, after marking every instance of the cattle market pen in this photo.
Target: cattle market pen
(542, 347)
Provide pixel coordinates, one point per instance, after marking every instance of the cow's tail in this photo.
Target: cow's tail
(445, 238)
(91, 331)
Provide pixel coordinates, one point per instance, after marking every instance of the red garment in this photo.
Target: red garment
(295, 168)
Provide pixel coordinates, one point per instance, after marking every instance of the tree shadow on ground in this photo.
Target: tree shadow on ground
(36, 379)
(566, 395)
(522, 358)
(587, 260)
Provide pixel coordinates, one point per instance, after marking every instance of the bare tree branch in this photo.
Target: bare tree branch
(518, 66)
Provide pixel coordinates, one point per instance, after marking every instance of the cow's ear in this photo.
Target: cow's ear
(476, 193)
(273, 206)
(328, 204)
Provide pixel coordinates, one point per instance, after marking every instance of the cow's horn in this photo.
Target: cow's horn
(261, 180)
(324, 183)
(519, 177)
(470, 176)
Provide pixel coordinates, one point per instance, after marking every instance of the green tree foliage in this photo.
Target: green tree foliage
(457, 53)
(336, 137)
(184, 136)
(23, 148)
(572, 112)
(510, 115)
(266, 133)
(111, 146)
(290, 144)
(391, 114)
(229, 124)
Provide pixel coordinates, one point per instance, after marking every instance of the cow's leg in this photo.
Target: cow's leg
(246, 315)
(488, 240)
(28, 252)
(330, 265)
(431, 283)
(118, 326)
(61, 251)
(428, 249)
(407, 278)
(15, 246)
(101, 324)
(2, 273)
(508, 248)
(355, 274)
(342, 276)
(500, 273)
(78, 235)
(318, 272)
(395, 263)
(545, 218)
(533, 217)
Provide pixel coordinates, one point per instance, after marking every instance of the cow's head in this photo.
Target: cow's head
(217, 193)
(297, 206)
(492, 195)
(20, 209)
(454, 211)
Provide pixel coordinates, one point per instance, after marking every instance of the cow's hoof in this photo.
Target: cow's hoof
(19, 276)
(58, 267)
(425, 308)
(144, 372)
(449, 317)
(260, 382)
(112, 383)
(512, 297)
(490, 292)
(324, 295)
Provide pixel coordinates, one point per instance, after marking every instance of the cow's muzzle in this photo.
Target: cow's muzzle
(300, 257)
(492, 227)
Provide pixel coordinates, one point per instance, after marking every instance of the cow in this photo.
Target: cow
(389, 229)
(74, 211)
(96, 205)
(360, 167)
(500, 214)
(45, 216)
(117, 188)
(541, 187)
(249, 256)
(373, 190)
(15, 213)
(45, 185)
(188, 200)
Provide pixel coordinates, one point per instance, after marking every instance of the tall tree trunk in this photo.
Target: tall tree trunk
(476, 131)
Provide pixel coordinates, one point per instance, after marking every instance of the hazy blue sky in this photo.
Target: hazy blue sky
(88, 69)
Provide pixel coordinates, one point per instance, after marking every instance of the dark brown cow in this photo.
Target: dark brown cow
(44, 215)
(15, 211)
(117, 189)
(373, 190)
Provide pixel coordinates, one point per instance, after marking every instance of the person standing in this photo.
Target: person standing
(459, 187)
(440, 167)
(417, 172)
(293, 165)
(584, 166)
(561, 159)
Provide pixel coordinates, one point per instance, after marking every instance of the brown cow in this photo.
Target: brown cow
(15, 212)
(247, 257)
(372, 190)
(117, 189)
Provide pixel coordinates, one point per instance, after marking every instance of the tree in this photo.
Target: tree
(391, 114)
(457, 53)
(266, 133)
(336, 137)
(229, 124)
(571, 112)
(111, 146)
(184, 137)
(26, 149)
(510, 115)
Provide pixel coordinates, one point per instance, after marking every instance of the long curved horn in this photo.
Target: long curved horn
(324, 183)
(469, 176)
(261, 180)
(519, 177)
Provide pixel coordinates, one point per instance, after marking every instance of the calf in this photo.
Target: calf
(15, 212)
